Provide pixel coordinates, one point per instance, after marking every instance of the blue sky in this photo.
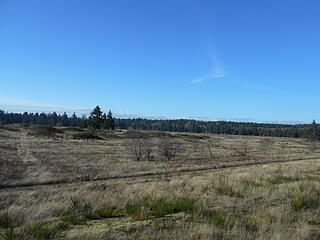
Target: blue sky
(234, 60)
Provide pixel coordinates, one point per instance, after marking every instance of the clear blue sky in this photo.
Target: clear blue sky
(256, 60)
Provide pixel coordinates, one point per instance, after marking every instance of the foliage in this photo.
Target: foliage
(44, 130)
(96, 118)
(87, 135)
(179, 125)
(314, 132)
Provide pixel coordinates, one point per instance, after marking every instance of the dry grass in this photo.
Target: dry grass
(270, 201)
(27, 157)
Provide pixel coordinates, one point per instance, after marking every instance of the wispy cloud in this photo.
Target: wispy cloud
(217, 71)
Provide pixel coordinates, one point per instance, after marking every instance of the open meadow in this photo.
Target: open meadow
(70, 183)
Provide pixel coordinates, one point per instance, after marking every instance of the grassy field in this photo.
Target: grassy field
(67, 183)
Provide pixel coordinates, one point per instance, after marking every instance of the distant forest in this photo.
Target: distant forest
(179, 125)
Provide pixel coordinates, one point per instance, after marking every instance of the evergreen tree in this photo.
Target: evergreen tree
(104, 121)
(95, 119)
(314, 133)
(110, 121)
(64, 119)
(53, 119)
(73, 120)
(83, 123)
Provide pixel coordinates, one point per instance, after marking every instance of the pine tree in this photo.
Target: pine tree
(110, 121)
(83, 122)
(64, 119)
(314, 133)
(95, 119)
(73, 120)
(104, 122)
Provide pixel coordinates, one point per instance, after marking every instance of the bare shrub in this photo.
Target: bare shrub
(169, 148)
(139, 145)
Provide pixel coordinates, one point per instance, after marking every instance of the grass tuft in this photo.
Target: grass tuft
(214, 218)
(41, 231)
(225, 188)
(6, 221)
(308, 197)
(298, 202)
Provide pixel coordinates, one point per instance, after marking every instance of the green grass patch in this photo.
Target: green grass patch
(159, 208)
(79, 211)
(137, 211)
(41, 231)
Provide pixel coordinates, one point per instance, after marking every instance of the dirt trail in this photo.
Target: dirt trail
(182, 171)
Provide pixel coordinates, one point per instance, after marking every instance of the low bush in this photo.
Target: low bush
(44, 130)
(86, 136)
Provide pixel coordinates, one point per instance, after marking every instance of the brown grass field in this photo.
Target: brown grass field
(58, 184)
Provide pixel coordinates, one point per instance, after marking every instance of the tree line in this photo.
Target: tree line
(98, 119)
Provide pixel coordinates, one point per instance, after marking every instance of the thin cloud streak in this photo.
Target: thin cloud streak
(216, 72)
